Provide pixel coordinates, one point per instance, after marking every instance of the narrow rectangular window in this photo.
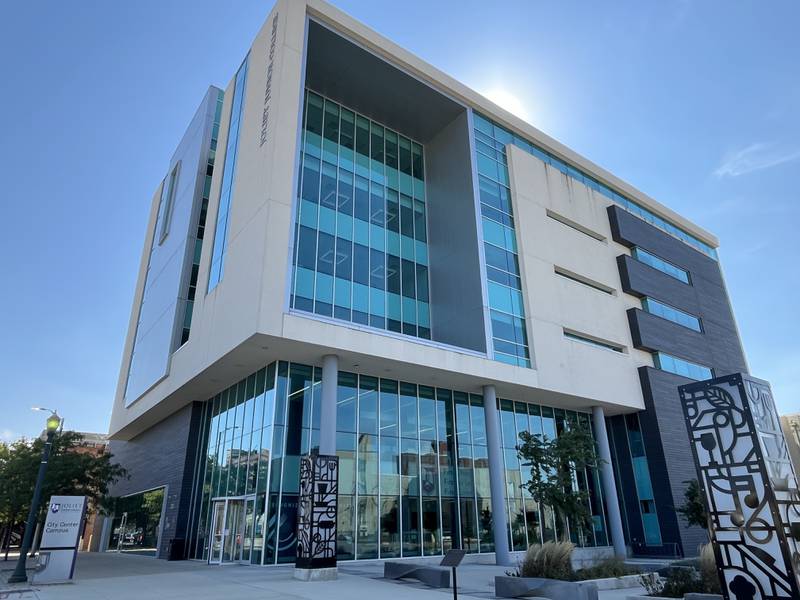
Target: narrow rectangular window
(670, 313)
(228, 174)
(682, 367)
(167, 202)
(600, 287)
(592, 341)
(651, 260)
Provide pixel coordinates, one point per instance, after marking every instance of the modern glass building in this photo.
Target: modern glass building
(402, 274)
(414, 471)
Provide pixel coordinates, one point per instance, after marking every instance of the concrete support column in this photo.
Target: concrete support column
(609, 483)
(330, 382)
(496, 477)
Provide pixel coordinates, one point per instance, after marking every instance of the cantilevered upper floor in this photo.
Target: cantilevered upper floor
(362, 202)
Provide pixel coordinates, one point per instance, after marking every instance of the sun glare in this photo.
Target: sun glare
(509, 101)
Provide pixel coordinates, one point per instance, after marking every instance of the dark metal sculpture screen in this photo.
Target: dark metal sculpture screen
(750, 487)
(316, 516)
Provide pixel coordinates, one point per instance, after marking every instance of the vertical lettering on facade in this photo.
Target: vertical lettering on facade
(268, 87)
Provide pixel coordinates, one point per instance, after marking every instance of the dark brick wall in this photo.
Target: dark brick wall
(717, 346)
(164, 455)
(669, 456)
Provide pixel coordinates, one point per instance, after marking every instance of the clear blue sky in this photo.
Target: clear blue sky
(695, 103)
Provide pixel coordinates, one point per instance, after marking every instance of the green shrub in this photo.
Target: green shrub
(552, 560)
(609, 567)
(682, 581)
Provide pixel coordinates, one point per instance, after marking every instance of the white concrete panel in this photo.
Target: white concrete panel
(554, 304)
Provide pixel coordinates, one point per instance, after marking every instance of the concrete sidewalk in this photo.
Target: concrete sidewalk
(111, 576)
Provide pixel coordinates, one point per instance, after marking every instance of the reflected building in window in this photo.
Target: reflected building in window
(401, 273)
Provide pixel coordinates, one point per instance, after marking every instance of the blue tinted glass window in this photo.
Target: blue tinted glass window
(665, 311)
(361, 218)
(643, 482)
(660, 264)
(228, 174)
(509, 341)
(679, 366)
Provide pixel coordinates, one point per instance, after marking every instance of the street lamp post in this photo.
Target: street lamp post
(20, 575)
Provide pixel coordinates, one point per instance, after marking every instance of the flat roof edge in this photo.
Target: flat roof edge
(392, 52)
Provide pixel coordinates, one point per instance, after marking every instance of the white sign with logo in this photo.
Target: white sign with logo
(59, 546)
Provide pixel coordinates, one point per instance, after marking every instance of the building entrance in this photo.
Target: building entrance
(231, 530)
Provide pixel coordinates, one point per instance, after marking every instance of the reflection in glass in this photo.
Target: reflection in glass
(413, 470)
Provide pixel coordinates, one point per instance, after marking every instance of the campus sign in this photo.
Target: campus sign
(59, 546)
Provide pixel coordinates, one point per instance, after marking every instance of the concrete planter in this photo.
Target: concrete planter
(519, 587)
(616, 583)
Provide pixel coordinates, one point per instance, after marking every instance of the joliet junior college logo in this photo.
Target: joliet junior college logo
(67, 506)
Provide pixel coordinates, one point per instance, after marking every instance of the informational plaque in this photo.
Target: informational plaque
(59, 546)
(453, 558)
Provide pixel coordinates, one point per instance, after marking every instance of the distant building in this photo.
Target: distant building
(352, 252)
(96, 442)
(791, 430)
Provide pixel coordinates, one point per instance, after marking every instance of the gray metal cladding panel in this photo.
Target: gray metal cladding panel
(664, 412)
(639, 279)
(651, 332)
(718, 346)
(709, 302)
(170, 253)
(621, 455)
(725, 348)
(162, 456)
(457, 312)
(630, 230)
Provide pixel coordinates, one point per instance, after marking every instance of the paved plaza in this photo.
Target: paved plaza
(112, 576)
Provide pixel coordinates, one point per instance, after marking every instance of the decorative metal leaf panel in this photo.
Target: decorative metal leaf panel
(316, 516)
(750, 487)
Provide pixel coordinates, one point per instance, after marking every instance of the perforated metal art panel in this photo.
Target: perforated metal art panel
(316, 517)
(750, 487)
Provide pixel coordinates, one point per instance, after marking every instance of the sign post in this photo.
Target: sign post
(62, 529)
(452, 559)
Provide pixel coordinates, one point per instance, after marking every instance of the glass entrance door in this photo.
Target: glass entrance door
(247, 529)
(232, 534)
(217, 532)
(230, 538)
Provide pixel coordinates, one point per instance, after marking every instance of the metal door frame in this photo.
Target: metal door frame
(227, 500)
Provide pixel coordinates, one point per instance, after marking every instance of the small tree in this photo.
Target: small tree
(69, 472)
(554, 464)
(694, 508)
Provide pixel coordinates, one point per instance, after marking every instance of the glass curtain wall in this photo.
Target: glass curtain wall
(361, 249)
(407, 477)
(644, 485)
(201, 225)
(530, 523)
(413, 473)
(509, 336)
